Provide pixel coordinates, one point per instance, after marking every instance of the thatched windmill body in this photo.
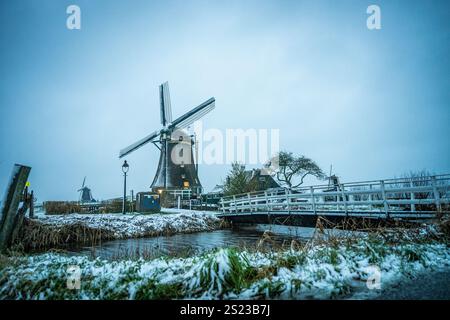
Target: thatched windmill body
(176, 168)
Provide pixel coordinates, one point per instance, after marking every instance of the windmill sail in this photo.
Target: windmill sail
(82, 185)
(195, 114)
(138, 144)
(166, 109)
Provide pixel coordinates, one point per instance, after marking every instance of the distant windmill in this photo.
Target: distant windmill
(85, 193)
(176, 168)
(333, 180)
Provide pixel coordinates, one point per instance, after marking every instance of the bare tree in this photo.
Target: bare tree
(290, 167)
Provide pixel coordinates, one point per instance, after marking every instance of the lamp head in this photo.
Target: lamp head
(125, 167)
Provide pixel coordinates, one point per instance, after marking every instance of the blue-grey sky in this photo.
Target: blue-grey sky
(374, 103)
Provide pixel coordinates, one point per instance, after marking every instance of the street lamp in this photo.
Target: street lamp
(125, 168)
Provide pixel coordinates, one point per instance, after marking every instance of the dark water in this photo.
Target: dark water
(188, 244)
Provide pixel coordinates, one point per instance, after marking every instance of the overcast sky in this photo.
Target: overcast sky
(374, 103)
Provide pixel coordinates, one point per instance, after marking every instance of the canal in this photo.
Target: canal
(246, 236)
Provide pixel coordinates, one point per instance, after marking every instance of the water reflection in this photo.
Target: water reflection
(186, 244)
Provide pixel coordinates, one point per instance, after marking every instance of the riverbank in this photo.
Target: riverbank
(58, 230)
(320, 269)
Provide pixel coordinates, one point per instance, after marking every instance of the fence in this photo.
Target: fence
(420, 197)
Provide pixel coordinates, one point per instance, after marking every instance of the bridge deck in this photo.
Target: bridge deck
(423, 197)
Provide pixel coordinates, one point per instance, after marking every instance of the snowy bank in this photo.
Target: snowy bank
(319, 272)
(56, 230)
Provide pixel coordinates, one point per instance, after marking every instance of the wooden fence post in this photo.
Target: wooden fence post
(10, 204)
(235, 204)
(32, 204)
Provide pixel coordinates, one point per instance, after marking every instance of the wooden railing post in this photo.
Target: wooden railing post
(311, 189)
(413, 197)
(250, 202)
(344, 199)
(383, 195)
(223, 205)
(288, 201)
(370, 198)
(437, 199)
(10, 204)
(235, 204)
(267, 201)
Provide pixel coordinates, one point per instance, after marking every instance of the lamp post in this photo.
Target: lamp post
(125, 168)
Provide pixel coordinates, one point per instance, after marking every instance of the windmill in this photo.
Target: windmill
(85, 193)
(176, 168)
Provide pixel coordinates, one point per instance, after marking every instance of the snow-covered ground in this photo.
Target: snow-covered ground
(318, 272)
(138, 225)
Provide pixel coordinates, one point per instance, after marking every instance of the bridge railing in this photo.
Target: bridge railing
(412, 196)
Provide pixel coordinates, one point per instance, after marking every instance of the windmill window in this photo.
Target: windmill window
(180, 138)
(186, 184)
(183, 176)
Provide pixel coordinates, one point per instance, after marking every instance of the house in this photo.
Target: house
(261, 181)
(214, 196)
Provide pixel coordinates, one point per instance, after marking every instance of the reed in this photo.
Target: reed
(35, 235)
(61, 207)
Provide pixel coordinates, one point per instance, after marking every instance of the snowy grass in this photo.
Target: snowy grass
(56, 230)
(137, 225)
(322, 271)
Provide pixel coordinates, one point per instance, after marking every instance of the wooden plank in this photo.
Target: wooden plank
(10, 204)
(32, 204)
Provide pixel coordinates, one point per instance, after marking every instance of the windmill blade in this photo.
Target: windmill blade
(138, 144)
(84, 180)
(195, 114)
(165, 107)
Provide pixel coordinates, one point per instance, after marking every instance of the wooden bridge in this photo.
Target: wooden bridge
(414, 199)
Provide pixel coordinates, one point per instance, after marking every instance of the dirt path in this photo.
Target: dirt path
(426, 286)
